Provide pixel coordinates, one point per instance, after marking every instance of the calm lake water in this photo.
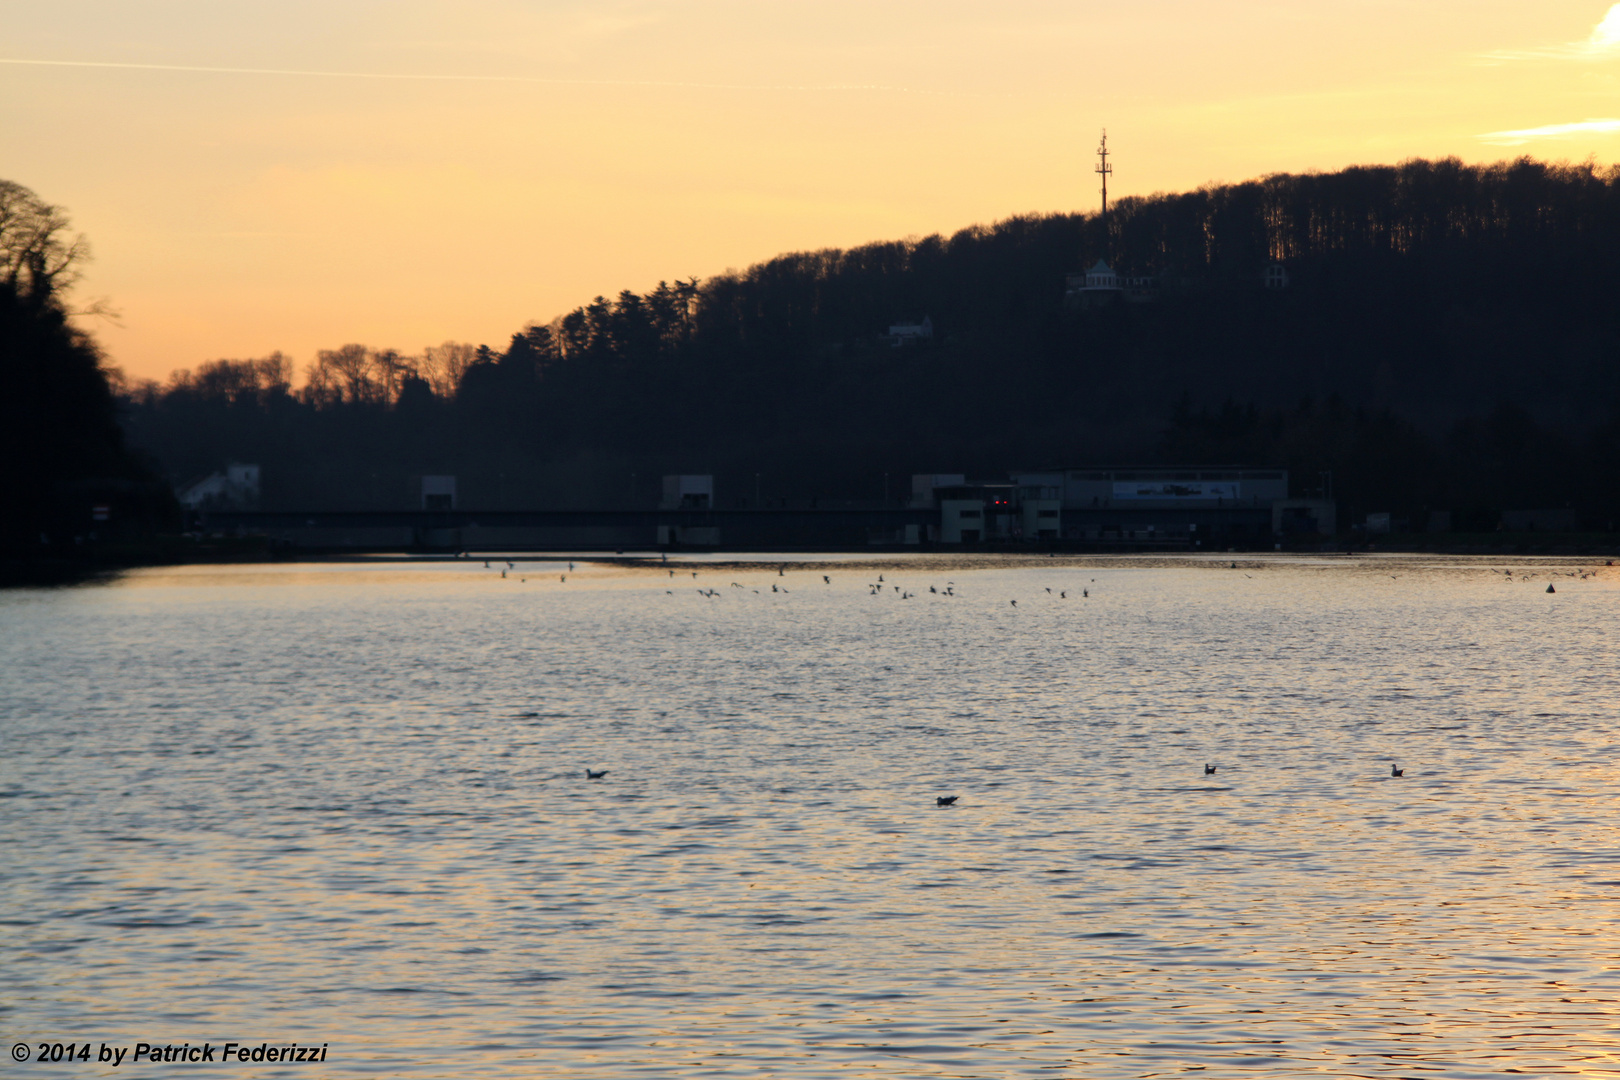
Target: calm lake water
(345, 804)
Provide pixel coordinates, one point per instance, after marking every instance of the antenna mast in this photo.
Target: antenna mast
(1104, 170)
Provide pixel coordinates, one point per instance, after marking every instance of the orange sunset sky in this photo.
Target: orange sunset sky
(299, 175)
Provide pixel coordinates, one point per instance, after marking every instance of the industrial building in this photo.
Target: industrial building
(1085, 508)
(1152, 506)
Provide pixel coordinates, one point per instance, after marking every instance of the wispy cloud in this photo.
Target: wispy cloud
(1602, 126)
(407, 77)
(1602, 44)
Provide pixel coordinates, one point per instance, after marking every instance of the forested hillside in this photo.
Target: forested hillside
(1450, 339)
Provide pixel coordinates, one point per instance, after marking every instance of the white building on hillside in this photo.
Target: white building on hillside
(236, 488)
(902, 334)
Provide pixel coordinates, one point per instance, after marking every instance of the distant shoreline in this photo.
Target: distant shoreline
(108, 563)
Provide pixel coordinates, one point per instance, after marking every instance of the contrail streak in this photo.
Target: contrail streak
(650, 83)
(1604, 126)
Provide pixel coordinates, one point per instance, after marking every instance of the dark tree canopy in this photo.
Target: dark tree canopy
(1448, 339)
(60, 438)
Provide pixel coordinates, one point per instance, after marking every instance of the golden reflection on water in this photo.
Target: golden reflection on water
(346, 803)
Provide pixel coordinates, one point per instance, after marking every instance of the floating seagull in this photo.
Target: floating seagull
(1393, 771)
(1209, 770)
(595, 774)
(946, 800)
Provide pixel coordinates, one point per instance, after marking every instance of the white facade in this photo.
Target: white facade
(438, 493)
(908, 333)
(688, 492)
(1099, 285)
(236, 488)
(961, 521)
(1102, 276)
(1043, 519)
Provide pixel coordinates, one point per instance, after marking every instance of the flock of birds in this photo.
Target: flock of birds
(874, 588)
(1576, 573)
(1209, 770)
(510, 565)
(950, 800)
(880, 587)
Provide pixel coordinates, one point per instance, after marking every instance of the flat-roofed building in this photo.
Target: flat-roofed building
(438, 493)
(998, 513)
(1164, 487)
(688, 492)
(1188, 505)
